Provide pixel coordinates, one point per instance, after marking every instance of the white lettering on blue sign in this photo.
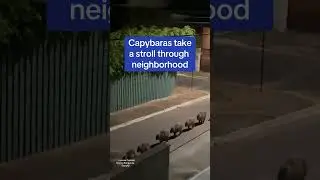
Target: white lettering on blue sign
(90, 12)
(226, 12)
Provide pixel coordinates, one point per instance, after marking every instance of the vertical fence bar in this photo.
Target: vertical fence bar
(22, 104)
(10, 106)
(79, 89)
(62, 72)
(39, 102)
(106, 86)
(100, 81)
(45, 93)
(4, 105)
(34, 92)
(94, 91)
(56, 96)
(84, 89)
(67, 100)
(51, 82)
(89, 79)
(75, 90)
(16, 108)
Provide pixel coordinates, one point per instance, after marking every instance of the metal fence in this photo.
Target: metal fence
(132, 90)
(53, 96)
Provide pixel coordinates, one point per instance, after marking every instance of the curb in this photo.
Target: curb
(199, 174)
(194, 77)
(116, 127)
(101, 177)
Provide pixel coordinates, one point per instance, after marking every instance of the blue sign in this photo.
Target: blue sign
(159, 53)
(241, 15)
(78, 15)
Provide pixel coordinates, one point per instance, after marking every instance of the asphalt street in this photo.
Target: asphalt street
(258, 157)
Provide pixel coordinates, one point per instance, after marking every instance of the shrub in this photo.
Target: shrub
(117, 44)
(17, 19)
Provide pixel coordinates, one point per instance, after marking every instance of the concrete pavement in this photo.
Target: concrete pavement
(258, 156)
(291, 60)
(199, 81)
(191, 159)
(203, 175)
(239, 106)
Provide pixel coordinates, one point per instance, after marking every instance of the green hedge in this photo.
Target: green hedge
(117, 45)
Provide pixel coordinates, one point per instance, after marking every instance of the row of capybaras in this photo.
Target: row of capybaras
(166, 135)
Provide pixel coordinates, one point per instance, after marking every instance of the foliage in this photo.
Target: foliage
(117, 44)
(16, 19)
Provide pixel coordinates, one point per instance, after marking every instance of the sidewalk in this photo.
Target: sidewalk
(191, 159)
(203, 175)
(240, 106)
(291, 60)
(180, 95)
(258, 156)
